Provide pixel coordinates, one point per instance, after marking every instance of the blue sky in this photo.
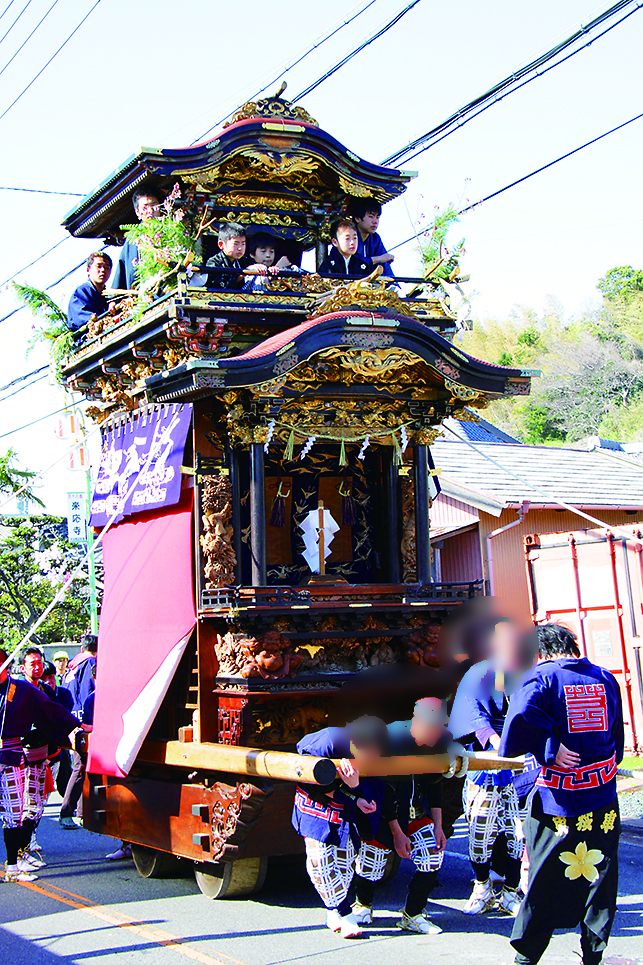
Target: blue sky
(159, 74)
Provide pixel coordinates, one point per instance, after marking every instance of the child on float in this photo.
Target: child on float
(416, 829)
(367, 213)
(343, 258)
(232, 248)
(334, 819)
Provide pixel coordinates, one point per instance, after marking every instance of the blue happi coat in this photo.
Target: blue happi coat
(478, 712)
(574, 702)
(333, 820)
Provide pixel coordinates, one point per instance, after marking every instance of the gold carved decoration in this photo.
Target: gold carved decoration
(407, 546)
(363, 293)
(271, 107)
(216, 541)
(371, 364)
(459, 391)
(426, 437)
(342, 419)
(260, 201)
(359, 190)
(260, 217)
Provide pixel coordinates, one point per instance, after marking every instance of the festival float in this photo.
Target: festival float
(266, 480)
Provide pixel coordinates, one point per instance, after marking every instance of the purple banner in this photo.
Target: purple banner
(148, 449)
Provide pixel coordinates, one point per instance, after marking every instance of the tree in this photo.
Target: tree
(621, 282)
(14, 480)
(36, 558)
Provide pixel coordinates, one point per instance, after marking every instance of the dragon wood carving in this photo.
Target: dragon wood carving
(216, 540)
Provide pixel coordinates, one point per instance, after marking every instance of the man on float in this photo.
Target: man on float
(568, 714)
(147, 205)
(88, 299)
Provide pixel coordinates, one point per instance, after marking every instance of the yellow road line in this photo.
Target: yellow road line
(172, 942)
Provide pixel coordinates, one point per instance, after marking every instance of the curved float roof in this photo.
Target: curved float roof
(268, 146)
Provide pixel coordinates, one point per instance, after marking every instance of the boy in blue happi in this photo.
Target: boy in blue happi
(568, 714)
(490, 799)
(367, 213)
(335, 819)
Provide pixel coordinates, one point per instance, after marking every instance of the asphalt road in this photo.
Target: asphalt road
(84, 909)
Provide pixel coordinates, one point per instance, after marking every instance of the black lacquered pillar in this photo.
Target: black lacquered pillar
(422, 523)
(257, 515)
(391, 502)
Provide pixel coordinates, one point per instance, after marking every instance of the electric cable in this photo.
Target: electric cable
(290, 67)
(515, 81)
(53, 56)
(526, 177)
(356, 51)
(15, 21)
(41, 418)
(10, 4)
(28, 375)
(71, 194)
(39, 258)
(23, 387)
(552, 496)
(28, 38)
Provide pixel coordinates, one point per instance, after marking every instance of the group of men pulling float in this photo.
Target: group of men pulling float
(560, 817)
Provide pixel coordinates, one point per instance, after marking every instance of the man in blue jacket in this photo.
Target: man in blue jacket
(147, 206)
(88, 299)
(334, 819)
(80, 681)
(568, 714)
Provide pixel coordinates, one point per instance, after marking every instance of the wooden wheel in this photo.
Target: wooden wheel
(231, 879)
(392, 867)
(151, 863)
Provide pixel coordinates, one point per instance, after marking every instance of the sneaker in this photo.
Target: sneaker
(420, 924)
(363, 913)
(349, 927)
(68, 824)
(13, 873)
(482, 899)
(30, 861)
(124, 851)
(333, 920)
(510, 901)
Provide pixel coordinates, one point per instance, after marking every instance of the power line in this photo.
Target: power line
(290, 66)
(28, 425)
(15, 21)
(53, 56)
(71, 194)
(526, 177)
(21, 378)
(354, 53)
(513, 82)
(39, 258)
(29, 37)
(23, 387)
(10, 4)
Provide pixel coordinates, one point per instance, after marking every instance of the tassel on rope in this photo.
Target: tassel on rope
(397, 452)
(278, 511)
(349, 510)
(343, 461)
(290, 446)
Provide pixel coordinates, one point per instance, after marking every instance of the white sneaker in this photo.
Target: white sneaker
(32, 859)
(363, 913)
(124, 851)
(13, 873)
(333, 920)
(482, 899)
(349, 927)
(420, 924)
(510, 901)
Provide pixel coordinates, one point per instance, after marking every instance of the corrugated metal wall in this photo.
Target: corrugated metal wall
(460, 558)
(508, 554)
(446, 511)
